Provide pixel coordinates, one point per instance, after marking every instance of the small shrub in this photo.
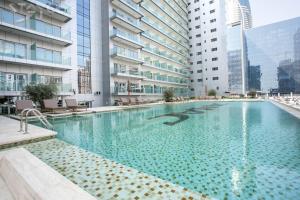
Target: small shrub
(168, 95)
(212, 93)
(252, 94)
(37, 93)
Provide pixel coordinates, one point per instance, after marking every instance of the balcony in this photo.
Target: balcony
(133, 74)
(126, 21)
(126, 55)
(51, 8)
(128, 6)
(19, 54)
(35, 29)
(118, 91)
(17, 88)
(126, 38)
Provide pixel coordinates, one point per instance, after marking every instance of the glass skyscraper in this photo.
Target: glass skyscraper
(273, 57)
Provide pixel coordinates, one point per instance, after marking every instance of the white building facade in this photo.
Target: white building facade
(207, 47)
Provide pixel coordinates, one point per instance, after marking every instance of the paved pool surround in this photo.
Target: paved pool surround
(103, 178)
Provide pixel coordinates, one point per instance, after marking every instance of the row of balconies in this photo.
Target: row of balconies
(177, 18)
(169, 34)
(148, 76)
(167, 22)
(133, 57)
(146, 90)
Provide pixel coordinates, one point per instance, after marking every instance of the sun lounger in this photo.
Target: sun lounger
(73, 105)
(51, 105)
(124, 101)
(23, 104)
(133, 101)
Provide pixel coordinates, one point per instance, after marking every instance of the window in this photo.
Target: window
(198, 44)
(215, 78)
(214, 59)
(200, 80)
(211, 1)
(214, 49)
(213, 30)
(7, 16)
(197, 9)
(197, 18)
(197, 27)
(20, 50)
(191, 72)
(199, 53)
(20, 20)
(214, 40)
(212, 11)
(215, 68)
(199, 62)
(192, 81)
(199, 71)
(198, 35)
(213, 20)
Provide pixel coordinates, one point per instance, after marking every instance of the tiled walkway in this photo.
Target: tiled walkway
(104, 178)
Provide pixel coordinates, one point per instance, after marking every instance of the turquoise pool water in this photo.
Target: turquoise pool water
(228, 150)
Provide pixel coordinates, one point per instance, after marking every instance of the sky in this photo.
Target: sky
(270, 11)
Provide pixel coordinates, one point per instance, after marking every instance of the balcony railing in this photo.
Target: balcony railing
(57, 4)
(126, 35)
(126, 53)
(19, 86)
(118, 90)
(132, 4)
(21, 22)
(126, 17)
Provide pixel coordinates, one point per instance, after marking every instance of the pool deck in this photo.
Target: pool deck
(122, 108)
(10, 134)
(293, 110)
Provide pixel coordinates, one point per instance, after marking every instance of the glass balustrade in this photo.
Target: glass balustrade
(21, 21)
(125, 52)
(126, 35)
(57, 4)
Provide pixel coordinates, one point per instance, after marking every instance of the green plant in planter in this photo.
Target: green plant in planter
(37, 93)
(168, 95)
(212, 93)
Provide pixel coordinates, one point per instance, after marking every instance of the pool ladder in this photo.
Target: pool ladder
(36, 113)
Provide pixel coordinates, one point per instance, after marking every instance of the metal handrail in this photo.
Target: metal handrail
(38, 114)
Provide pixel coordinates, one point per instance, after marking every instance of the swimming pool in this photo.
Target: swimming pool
(236, 150)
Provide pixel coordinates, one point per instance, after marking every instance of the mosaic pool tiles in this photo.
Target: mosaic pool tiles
(224, 151)
(103, 178)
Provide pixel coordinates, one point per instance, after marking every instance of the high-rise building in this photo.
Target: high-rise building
(46, 41)
(239, 19)
(147, 48)
(274, 48)
(239, 12)
(95, 51)
(207, 47)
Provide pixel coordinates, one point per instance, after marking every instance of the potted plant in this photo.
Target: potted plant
(168, 95)
(37, 93)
